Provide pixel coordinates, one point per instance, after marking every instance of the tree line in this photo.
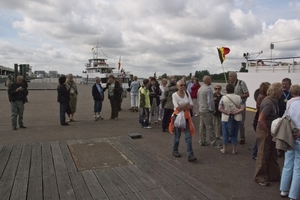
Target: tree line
(201, 73)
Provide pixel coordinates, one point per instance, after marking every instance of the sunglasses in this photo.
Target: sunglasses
(182, 85)
(217, 88)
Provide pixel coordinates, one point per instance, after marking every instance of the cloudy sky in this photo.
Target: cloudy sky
(166, 36)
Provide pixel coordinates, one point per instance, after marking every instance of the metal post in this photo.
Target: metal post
(16, 71)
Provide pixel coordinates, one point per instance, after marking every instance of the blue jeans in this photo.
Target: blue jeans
(62, 112)
(290, 178)
(97, 106)
(226, 134)
(188, 140)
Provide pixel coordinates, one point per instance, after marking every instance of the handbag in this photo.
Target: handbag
(231, 125)
(180, 121)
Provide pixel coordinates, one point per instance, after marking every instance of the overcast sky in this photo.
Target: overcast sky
(166, 36)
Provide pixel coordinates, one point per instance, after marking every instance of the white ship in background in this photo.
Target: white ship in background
(269, 70)
(98, 67)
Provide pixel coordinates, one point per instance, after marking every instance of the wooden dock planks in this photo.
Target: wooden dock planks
(47, 171)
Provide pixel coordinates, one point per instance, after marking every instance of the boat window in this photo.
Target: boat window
(103, 80)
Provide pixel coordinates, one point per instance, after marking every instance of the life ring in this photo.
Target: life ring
(260, 61)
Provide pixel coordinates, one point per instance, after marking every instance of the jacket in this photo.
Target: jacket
(17, 96)
(168, 104)
(187, 115)
(97, 96)
(62, 94)
(283, 134)
(194, 90)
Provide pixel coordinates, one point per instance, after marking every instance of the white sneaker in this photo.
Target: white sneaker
(95, 118)
(147, 127)
(284, 194)
(196, 115)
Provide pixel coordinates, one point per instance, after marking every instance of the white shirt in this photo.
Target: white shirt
(178, 101)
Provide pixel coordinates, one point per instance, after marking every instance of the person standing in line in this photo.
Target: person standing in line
(129, 84)
(98, 96)
(17, 97)
(114, 95)
(154, 98)
(241, 89)
(267, 168)
(123, 93)
(134, 94)
(63, 98)
(182, 105)
(8, 83)
(168, 104)
(263, 88)
(290, 178)
(144, 102)
(217, 113)
(231, 106)
(206, 104)
(190, 84)
(286, 95)
(194, 90)
(162, 88)
(73, 92)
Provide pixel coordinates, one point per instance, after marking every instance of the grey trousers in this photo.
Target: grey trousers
(207, 127)
(17, 109)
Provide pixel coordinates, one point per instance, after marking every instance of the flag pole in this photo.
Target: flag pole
(224, 73)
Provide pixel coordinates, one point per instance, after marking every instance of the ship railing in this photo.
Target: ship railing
(274, 65)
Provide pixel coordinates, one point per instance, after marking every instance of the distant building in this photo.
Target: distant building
(4, 71)
(53, 74)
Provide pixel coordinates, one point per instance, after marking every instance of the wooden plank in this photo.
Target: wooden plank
(50, 190)
(125, 189)
(150, 183)
(35, 189)
(65, 189)
(133, 180)
(192, 181)
(167, 174)
(79, 186)
(19, 190)
(108, 185)
(163, 182)
(8, 176)
(4, 156)
(94, 186)
(168, 182)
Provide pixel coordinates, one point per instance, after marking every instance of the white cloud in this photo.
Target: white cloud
(172, 36)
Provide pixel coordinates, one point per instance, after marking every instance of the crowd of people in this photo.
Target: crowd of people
(222, 116)
(172, 104)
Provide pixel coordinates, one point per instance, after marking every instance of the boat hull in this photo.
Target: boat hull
(253, 81)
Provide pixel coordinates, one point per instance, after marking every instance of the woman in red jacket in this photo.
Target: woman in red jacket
(194, 90)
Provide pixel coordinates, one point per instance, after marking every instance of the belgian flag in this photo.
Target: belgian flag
(222, 52)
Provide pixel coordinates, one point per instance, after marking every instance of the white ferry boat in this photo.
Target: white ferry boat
(98, 67)
(269, 70)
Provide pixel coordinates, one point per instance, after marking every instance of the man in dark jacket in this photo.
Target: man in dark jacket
(17, 97)
(63, 98)
(114, 95)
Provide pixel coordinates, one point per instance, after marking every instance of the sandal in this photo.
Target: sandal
(223, 151)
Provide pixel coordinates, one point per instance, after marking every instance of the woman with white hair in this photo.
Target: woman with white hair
(98, 96)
